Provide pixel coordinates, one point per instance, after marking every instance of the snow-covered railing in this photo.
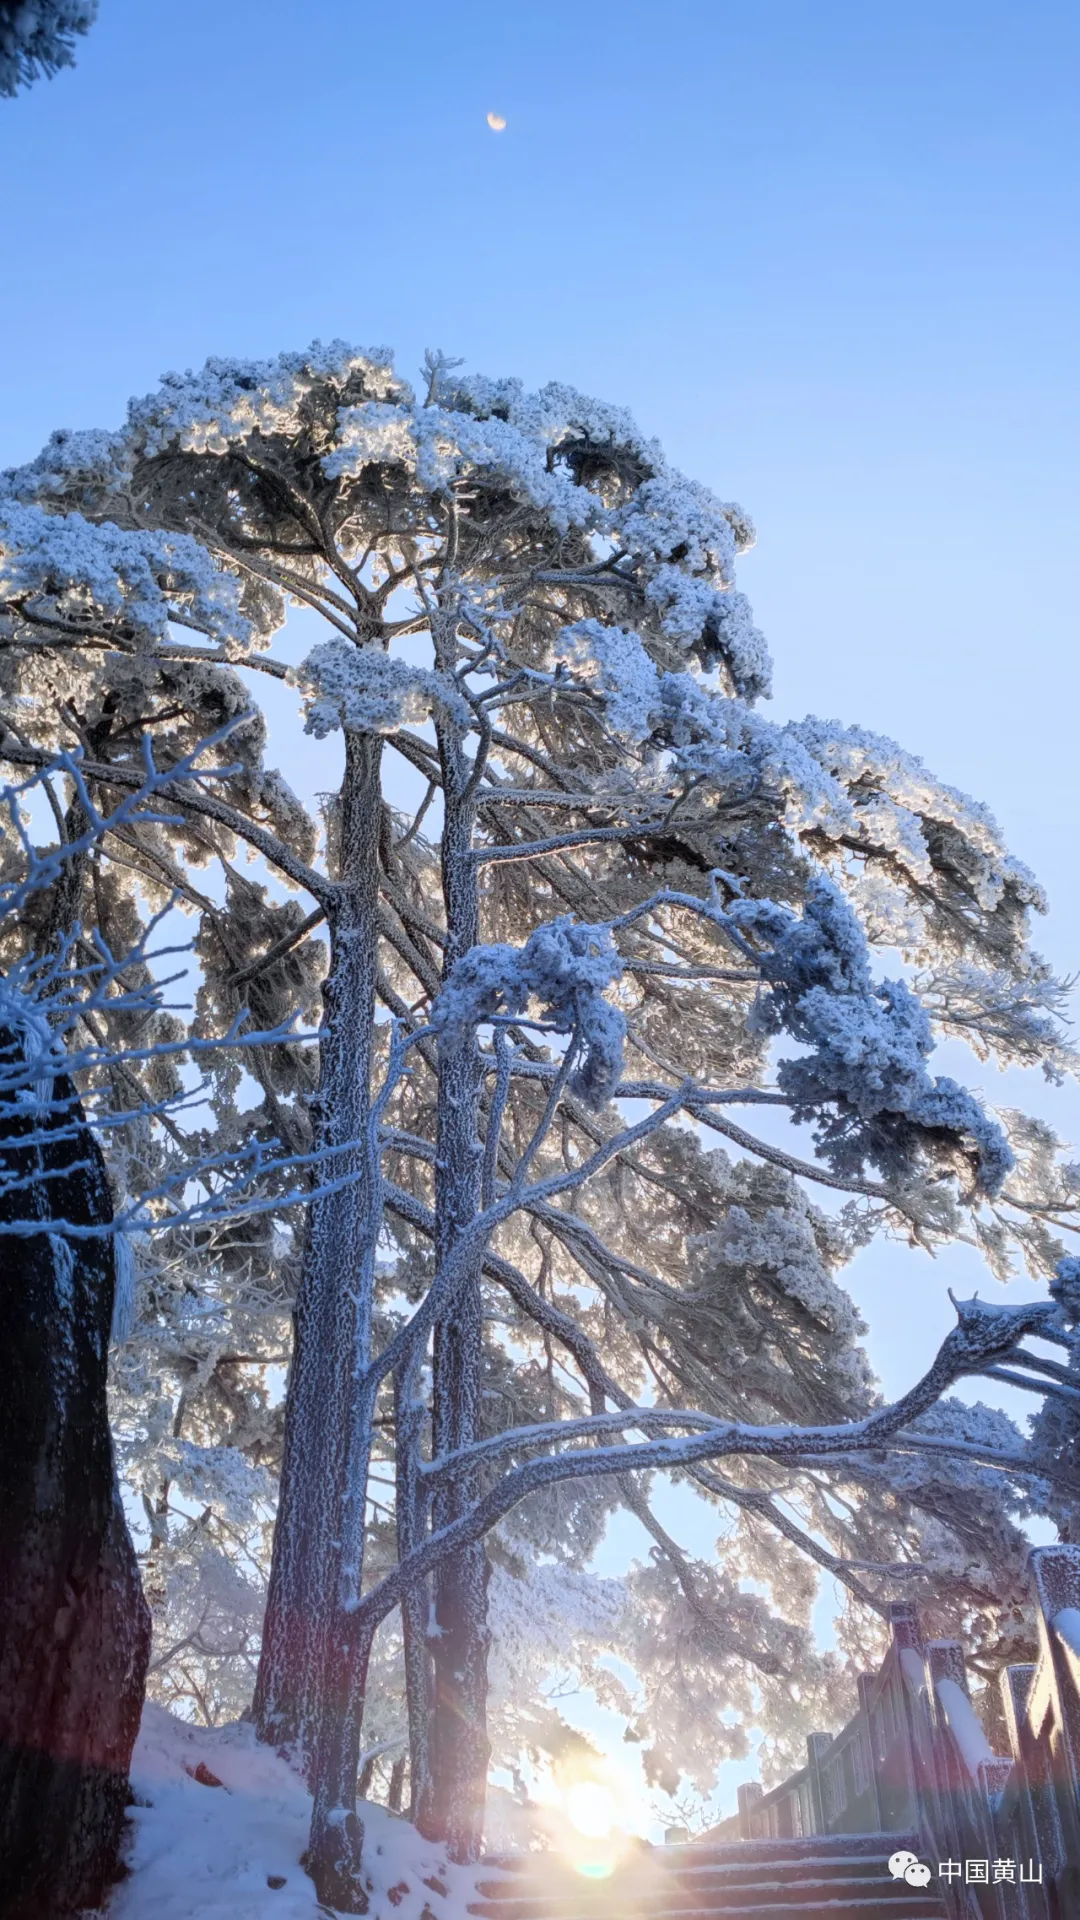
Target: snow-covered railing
(787, 1813)
(915, 1760)
(958, 1776)
(838, 1791)
(1066, 1624)
(964, 1724)
(1038, 1810)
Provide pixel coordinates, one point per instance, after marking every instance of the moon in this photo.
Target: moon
(496, 122)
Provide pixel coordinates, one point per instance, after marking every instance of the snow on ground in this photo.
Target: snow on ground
(217, 1851)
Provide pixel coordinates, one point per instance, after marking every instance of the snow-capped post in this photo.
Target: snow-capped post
(74, 1628)
(866, 1685)
(904, 1628)
(1034, 1823)
(748, 1795)
(817, 1745)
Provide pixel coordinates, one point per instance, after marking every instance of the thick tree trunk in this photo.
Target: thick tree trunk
(335, 1850)
(74, 1627)
(459, 1745)
(451, 1806)
(309, 1690)
(410, 1512)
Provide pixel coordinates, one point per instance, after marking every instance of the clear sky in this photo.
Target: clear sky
(828, 253)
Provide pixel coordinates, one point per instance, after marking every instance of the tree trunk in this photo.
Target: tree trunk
(311, 1671)
(451, 1806)
(74, 1627)
(411, 1514)
(335, 1851)
(459, 1745)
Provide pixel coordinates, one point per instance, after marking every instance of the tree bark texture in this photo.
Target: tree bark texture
(409, 1420)
(74, 1626)
(311, 1673)
(451, 1806)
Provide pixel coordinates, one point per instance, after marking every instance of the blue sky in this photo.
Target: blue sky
(828, 253)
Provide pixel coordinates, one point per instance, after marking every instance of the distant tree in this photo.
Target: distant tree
(36, 38)
(573, 902)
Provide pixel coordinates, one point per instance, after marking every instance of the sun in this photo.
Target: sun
(591, 1809)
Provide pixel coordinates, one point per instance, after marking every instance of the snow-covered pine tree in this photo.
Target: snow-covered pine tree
(617, 898)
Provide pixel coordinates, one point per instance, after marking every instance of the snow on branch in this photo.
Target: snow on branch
(863, 1080)
(932, 869)
(247, 1178)
(78, 469)
(982, 1335)
(145, 783)
(868, 1044)
(614, 663)
(685, 542)
(187, 792)
(442, 448)
(64, 569)
(559, 452)
(1022, 1021)
(228, 401)
(563, 966)
(1065, 1288)
(898, 787)
(364, 690)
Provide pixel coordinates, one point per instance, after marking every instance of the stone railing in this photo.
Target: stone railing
(915, 1760)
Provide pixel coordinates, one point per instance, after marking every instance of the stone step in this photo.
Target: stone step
(694, 1879)
(719, 1874)
(567, 1903)
(875, 1902)
(883, 1843)
(696, 1852)
(844, 1876)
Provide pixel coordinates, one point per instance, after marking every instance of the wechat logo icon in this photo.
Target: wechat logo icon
(907, 1866)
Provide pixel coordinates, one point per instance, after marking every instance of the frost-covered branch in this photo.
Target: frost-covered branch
(188, 798)
(981, 1334)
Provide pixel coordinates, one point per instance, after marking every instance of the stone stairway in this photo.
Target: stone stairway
(829, 1877)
